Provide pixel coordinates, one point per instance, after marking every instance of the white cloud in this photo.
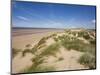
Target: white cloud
(93, 21)
(22, 18)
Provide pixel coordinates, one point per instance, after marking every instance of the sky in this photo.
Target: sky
(50, 15)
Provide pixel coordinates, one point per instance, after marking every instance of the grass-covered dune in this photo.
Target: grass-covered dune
(82, 41)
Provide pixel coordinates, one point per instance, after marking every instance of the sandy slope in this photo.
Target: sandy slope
(19, 62)
(69, 61)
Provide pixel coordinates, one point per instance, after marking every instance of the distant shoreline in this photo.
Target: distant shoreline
(29, 31)
(33, 28)
(48, 28)
(18, 31)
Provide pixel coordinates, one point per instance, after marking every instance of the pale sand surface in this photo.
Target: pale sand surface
(20, 63)
(69, 61)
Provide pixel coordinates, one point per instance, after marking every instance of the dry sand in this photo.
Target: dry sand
(20, 63)
(69, 61)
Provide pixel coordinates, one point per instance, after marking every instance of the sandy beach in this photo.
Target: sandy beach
(22, 37)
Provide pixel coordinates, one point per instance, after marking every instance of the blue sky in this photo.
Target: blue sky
(46, 15)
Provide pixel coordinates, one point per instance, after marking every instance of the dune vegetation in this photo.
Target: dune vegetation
(15, 52)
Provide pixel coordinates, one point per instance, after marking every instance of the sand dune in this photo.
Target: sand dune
(69, 59)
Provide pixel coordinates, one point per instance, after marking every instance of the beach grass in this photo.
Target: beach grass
(39, 69)
(26, 51)
(28, 45)
(15, 52)
(51, 50)
(87, 60)
(60, 59)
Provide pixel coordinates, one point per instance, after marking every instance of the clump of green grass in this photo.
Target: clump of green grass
(28, 45)
(60, 37)
(54, 34)
(86, 36)
(77, 45)
(37, 60)
(34, 49)
(39, 69)
(68, 44)
(87, 60)
(56, 39)
(51, 50)
(41, 46)
(15, 52)
(74, 33)
(42, 41)
(26, 51)
(60, 59)
(64, 37)
(92, 41)
(91, 49)
(49, 36)
(81, 33)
